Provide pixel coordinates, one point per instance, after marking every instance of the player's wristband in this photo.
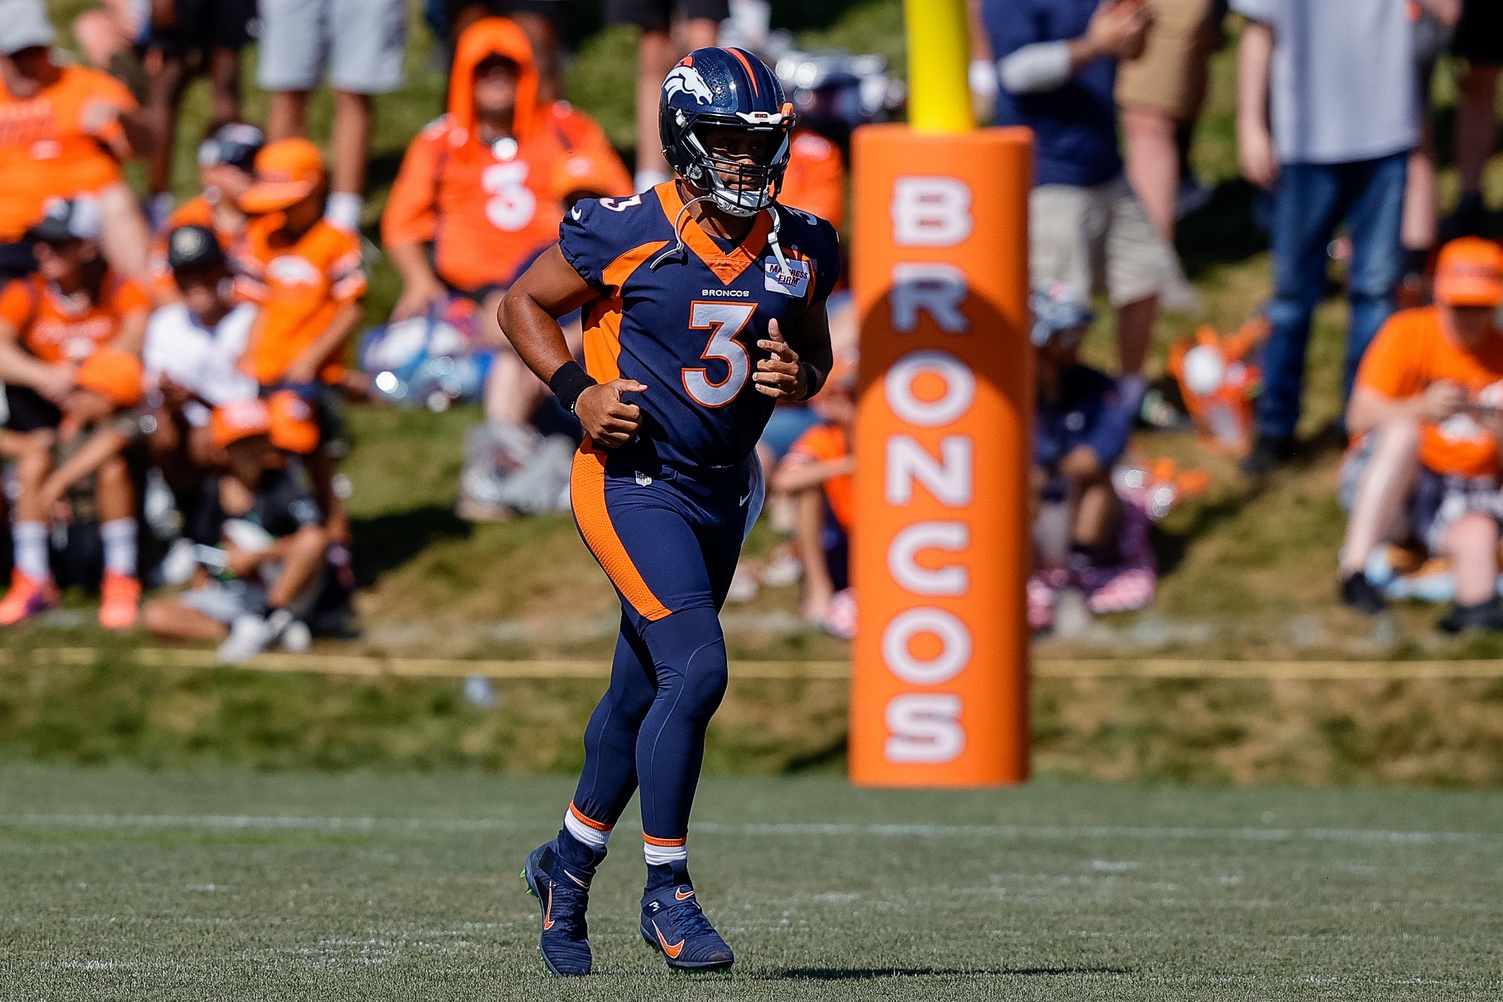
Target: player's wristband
(814, 380)
(568, 382)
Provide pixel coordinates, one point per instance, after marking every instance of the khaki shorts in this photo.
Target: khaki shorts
(1170, 76)
(1098, 240)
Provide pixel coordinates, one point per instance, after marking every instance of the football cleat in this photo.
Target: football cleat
(563, 896)
(675, 926)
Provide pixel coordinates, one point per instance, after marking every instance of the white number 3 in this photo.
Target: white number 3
(724, 321)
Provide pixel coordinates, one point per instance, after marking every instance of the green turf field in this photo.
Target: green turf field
(118, 884)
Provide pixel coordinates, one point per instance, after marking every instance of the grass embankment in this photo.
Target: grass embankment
(1247, 572)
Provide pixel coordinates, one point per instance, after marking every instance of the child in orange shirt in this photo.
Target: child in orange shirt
(308, 278)
(819, 474)
(50, 323)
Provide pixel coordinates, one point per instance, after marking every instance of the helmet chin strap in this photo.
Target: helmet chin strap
(680, 251)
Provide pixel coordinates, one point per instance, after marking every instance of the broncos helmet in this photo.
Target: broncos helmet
(730, 88)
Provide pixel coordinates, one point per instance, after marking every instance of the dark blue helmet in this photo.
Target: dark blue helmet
(726, 88)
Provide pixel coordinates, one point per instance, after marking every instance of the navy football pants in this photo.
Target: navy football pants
(669, 542)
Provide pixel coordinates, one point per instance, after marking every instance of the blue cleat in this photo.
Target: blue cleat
(563, 896)
(675, 926)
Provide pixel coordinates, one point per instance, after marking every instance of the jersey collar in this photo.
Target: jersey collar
(727, 265)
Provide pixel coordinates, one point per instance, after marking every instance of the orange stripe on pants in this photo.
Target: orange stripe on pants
(587, 496)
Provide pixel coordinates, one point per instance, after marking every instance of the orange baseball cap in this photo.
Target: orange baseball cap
(1469, 272)
(234, 420)
(293, 427)
(114, 374)
(287, 172)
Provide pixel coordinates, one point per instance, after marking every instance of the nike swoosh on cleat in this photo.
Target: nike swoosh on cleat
(582, 883)
(743, 501)
(673, 950)
(548, 912)
(682, 896)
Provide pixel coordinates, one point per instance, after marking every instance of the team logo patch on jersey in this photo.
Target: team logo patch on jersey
(792, 281)
(686, 79)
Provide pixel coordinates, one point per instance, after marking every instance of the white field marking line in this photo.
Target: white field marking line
(372, 666)
(253, 822)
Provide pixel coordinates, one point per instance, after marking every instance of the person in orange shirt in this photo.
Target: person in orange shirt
(50, 324)
(1428, 407)
(226, 170)
(815, 181)
(819, 474)
(308, 278)
(480, 192)
(64, 130)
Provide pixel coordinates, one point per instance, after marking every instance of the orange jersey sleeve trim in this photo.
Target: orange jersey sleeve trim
(587, 493)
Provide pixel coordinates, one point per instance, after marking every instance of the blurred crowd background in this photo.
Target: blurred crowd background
(179, 369)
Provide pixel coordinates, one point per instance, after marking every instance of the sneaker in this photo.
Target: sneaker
(26, 598)
(251, 634)
(563, 894)
(1362, 595)
(1268, 452)
(120, 603)
(1484, 616)
(674, 925)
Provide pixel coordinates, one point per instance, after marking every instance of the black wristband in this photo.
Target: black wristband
(814, 380)
(568, 382)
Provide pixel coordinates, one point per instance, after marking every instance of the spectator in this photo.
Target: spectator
(543, 21)
(192, 358)
(362, 43)
(308, 278)
(1057, 65)
(1081, 430)
(68, 130)
(1421, 228)
(266, 535)
(1326, 117)
(670, 28)
(480, 192)
(226, 170)
(1478, 40)
(1428, 404)
(99, 423)
(110, 36)
(188, 38)
(1161, 95)
(51, 322)
(815, 179)
(818, 474)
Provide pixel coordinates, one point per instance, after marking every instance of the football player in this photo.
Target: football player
(704, 305)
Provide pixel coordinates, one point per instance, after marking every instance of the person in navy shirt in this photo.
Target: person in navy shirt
(704, 305)
(1081, 428)
(1057, 66)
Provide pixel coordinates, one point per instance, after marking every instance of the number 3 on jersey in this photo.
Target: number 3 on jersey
(724, 321)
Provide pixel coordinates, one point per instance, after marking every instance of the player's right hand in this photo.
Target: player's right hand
(607, 419)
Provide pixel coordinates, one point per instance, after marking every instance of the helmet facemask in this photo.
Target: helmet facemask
(738, 186)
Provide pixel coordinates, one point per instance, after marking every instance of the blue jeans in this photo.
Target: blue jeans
(1310, 202)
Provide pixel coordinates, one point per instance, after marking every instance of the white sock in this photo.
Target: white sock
(344, 210)
(29, 540)
(650, 178)
(659, 854)
(584, 830)
(119, 539)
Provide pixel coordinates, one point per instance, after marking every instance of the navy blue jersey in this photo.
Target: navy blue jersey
(689, 330)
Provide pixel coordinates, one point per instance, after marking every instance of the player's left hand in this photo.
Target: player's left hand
(779, 375)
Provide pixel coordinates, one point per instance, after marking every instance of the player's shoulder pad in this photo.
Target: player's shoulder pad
(597, 231)
(809, 233)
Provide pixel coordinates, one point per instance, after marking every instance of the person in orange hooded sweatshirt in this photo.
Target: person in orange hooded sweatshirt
(480, 193)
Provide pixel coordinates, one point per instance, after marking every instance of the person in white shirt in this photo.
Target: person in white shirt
(192, 357)
(1327, 112)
